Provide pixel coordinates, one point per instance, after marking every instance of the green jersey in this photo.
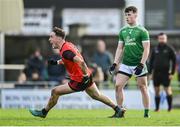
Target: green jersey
(133, 38)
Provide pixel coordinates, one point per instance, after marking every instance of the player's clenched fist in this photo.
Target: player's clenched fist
(86, 79)
(52, 62)
(138, 69)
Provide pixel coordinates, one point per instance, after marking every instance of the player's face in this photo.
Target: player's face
(162, 39)
(130, 17)
(54, 40)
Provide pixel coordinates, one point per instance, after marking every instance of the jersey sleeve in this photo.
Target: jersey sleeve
(69, 55)
(145, 36)
(121, 40)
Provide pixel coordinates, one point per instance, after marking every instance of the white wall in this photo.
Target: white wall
(26, 98)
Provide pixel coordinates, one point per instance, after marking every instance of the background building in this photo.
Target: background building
(102, 19)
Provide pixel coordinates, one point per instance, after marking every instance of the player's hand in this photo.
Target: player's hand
(86, 79)
(138, 69)
(52, 62)
(112, 68)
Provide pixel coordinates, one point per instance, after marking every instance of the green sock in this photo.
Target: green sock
(146, 111)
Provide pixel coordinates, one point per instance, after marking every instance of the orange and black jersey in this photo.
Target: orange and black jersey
(68, 51)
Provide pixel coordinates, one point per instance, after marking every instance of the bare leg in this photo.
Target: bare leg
(55, 93)
(121, 81)
(142, 83)
(97, 95)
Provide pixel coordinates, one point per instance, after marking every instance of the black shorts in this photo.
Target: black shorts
(79, 86)
(161, 78)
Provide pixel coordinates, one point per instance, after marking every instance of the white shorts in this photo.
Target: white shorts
(129, 70)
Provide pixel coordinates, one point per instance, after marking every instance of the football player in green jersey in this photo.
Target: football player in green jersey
(133, 46)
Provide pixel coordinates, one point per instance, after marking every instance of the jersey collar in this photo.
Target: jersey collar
(132, 26)
(62, 46)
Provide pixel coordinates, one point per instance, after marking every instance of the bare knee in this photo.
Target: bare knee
(54, 92)
(54, 96)
(119, 88)
(143, 88)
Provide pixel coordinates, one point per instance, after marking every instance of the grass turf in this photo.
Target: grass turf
(21, 117)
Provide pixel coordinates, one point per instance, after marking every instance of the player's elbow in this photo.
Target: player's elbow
(81, 62)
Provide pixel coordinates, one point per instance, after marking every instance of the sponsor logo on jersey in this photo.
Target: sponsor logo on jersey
(130, 41)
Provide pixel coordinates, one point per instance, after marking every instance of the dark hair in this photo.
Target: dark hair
(160, 34)
(131, 8)
(59, 32)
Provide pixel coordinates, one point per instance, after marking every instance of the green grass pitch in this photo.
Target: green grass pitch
(21, 117)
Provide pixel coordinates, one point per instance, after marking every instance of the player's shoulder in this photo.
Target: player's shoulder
(67, 46)
(170, 47)
(142, 28)
(123, 29)
(69, 43)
